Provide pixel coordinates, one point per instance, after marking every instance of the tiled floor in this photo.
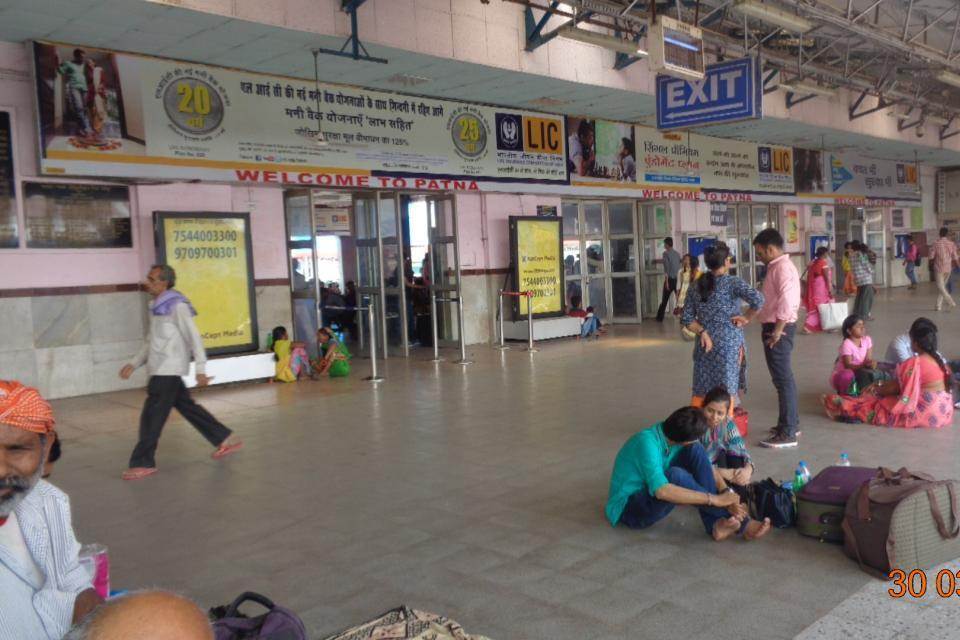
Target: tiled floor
(477, 492)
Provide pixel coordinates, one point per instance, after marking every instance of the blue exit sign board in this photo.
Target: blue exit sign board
(730, 91)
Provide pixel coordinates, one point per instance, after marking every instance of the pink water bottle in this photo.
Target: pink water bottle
(96, 560)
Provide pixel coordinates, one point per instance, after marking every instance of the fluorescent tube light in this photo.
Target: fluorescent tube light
(772, 15)
(601, 40)
(949, 77)
(805, 88)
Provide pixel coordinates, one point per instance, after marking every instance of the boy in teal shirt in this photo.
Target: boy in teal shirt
(664, 466)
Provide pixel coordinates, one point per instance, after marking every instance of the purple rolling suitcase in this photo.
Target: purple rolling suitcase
(821, 502)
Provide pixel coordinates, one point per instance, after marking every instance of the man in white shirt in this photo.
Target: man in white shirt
(173, 338)
(43, 588)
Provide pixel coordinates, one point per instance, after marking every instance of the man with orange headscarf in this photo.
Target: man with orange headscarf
(44, 588)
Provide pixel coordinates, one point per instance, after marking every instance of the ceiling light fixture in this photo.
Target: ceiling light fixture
(806, 88)
(949, 77)
(601, 40)
(772, 15)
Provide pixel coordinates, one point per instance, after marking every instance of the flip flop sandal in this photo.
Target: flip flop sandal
(138, 473)
(226, 449)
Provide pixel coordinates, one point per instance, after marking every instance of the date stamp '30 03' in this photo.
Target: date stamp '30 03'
(914, 583)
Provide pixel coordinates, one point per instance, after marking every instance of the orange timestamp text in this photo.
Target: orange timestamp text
(914, 583)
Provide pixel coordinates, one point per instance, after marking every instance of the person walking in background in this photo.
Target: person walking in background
(911, 259)
(819, 290)
(689, 272)
(173, 337)
(671, 267)
(781, 292)
(863, 278)
(943, 257)
(849, 287)
(713, 311)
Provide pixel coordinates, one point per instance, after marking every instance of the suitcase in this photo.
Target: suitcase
(821, 502)
(902, 520)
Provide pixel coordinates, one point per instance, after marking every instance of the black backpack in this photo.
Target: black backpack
(767, 499)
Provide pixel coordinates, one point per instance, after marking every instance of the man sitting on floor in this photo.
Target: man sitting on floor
(146, 615)
(665, 466)
(44, 589)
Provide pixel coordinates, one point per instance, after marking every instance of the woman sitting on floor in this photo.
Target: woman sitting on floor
(336, 358)
(918, 397)
(855, 369)
(722, 441)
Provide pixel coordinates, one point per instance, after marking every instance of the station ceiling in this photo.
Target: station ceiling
(174, 32)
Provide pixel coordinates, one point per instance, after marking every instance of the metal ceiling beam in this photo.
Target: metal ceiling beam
(793, 101)
(864, 12)
(934, 22)
(906, 23)
(881, 104)
(624, 60)
(535, 28)
(823, 13)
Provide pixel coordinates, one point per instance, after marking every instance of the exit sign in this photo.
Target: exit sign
(730, 91)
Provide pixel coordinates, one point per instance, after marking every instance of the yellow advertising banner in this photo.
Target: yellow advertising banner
(211, 253)
(539, 264)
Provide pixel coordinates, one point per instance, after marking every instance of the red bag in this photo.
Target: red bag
(741, 418)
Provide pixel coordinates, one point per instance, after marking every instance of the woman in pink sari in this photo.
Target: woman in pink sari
(819, 290)
(919, 397)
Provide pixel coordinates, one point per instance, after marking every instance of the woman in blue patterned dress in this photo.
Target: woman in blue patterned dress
(714, 311)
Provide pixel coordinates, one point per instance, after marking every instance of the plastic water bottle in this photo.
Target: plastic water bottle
(806, 472)
(844, 460)
(798, 479)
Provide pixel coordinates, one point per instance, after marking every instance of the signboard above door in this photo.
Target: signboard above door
(729, 92)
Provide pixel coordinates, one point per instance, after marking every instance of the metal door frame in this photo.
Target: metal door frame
(609, 238)
(436, 240)
(656, 272)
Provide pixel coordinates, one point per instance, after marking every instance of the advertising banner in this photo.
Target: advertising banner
(537, 264)
(117, 114)
(212, 255)
(730, 91)
(851, 176)
(677, 159)
(601, 153)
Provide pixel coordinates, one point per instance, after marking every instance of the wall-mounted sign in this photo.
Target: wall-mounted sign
(76, 216)
(537, 256)
(601, 152)
(213, 256)
(948, 192)
(332, 220)
(730, 91)
(855, 179)
(547, 210)
(680, 159)
(117, 114)
(718, 214)
(9, 236)
(814, 242)
(792, 224)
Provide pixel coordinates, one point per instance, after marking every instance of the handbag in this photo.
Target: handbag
(767, 499)
(832, 315)
(277, 623)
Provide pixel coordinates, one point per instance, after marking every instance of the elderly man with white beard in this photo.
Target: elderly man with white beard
(44, 588)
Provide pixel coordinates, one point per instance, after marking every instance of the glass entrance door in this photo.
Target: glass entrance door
(596, 276)
(304, 286)
(877, 241)
(441, 264)
(624, 274)
(369, 274)
(656, 222)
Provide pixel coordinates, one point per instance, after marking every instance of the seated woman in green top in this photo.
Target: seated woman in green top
(336, 358)
(722, 440)
(665, 466)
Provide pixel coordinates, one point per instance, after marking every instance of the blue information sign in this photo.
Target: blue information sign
(730, 91)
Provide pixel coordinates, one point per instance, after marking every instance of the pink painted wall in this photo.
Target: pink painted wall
(484, 225)
(26, 268)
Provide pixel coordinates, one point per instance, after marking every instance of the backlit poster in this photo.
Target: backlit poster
(537, 264)
(212, 255)
(9, 236)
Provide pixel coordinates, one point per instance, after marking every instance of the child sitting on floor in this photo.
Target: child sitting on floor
(292, 358)
(855, 367)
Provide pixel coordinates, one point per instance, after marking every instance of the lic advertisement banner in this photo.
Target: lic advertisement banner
(116, 114)
(211, 253)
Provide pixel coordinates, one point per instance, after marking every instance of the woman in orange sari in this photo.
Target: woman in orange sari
(819, 290)
(919, 397)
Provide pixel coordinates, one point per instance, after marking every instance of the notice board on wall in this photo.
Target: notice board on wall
(537, 265)
(9, 236)
(213, 257)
